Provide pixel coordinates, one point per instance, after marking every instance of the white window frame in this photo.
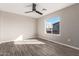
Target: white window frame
(52, 33)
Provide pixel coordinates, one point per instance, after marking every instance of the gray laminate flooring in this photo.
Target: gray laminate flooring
(47, 49)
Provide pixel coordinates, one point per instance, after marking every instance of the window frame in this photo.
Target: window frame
(45, 21)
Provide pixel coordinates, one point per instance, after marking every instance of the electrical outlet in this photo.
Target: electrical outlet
(69, 40)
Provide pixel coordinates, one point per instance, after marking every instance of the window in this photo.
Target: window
(53, 25)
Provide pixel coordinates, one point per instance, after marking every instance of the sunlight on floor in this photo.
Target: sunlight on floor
(20, 40)
(29, 41)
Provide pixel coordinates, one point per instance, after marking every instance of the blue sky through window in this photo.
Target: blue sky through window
(54, 20)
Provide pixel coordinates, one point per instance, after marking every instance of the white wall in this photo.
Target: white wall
(13, 25)
(69, 26)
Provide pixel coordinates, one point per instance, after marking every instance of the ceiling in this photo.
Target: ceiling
(21, 8)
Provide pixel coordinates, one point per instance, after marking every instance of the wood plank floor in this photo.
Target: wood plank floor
(47, 49)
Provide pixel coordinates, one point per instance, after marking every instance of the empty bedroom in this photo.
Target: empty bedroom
(39, 29)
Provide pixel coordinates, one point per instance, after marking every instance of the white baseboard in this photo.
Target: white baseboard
(4, 41)
(76, 48)
(66, 45)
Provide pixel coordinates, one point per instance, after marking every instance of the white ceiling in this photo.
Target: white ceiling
(21, 8)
